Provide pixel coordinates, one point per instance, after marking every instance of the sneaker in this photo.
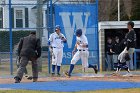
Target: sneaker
(67, 74)
(26, 76)
(53, 74)
(34, 79)
(128, 74)
(17, 79)
(58, 74)
(29, 77)
(95, 69)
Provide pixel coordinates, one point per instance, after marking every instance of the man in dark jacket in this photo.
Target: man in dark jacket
(130, 42)
(29, 49)
(109, 54)
(116, 50)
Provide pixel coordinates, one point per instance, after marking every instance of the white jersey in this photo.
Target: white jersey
(56, 40)
(82, 40)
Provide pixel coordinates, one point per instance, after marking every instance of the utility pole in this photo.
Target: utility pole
(118, 10)
(39, 29)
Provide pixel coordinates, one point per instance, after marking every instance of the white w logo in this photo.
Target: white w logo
(79, 20)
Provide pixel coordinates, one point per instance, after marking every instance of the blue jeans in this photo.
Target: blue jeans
(115, 59)
(131, 64)
(110, 62)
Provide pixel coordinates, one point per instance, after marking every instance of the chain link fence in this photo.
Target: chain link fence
(24, 19)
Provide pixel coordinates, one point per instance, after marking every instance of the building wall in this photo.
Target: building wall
(102, 49)
(5, 17)
(22, 4)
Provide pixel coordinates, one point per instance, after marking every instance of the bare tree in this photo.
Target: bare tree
(128, 7)
(104, 9)
(107, 9)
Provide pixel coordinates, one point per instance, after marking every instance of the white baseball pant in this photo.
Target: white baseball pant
(83, 55)
(57, 56)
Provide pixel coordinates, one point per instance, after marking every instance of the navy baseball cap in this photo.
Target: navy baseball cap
(79, 32)
(57, 27)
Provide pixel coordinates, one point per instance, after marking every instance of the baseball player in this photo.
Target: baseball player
(82, 53)
(56, 42)
(130, 43)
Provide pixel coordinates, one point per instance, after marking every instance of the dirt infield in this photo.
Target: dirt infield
(118, 78)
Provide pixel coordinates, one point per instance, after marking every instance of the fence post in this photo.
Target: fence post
(99, 67)
(10, 34)
(39, 28)
(48, 29)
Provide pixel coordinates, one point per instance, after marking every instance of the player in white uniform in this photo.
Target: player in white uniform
(56, 41)
(82, 53)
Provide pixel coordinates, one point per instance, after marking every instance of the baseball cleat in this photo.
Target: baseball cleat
(67, 74)
(58, 74)
(95, 69)
(53, 74)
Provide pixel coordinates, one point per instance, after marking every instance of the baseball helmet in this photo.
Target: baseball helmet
(57, 27)
(79, 32)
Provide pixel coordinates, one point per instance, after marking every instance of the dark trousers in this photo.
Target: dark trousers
(24, 61)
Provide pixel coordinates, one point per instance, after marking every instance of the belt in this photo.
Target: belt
(81, 50)
(57, 47)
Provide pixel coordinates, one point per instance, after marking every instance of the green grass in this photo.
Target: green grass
(5, 69)
(134, 90)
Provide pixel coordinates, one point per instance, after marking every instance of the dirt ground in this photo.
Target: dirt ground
(118, 78)
(44, 77)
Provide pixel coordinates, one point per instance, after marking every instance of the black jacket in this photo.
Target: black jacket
(107, 48)
(116, 48)
(29, 46)
(130, 39)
